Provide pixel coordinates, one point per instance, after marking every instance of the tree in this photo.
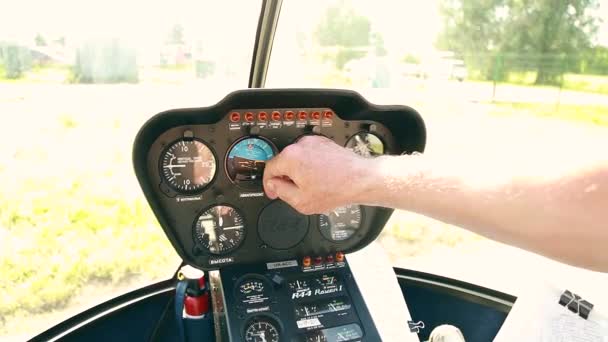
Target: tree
(16, 60)
(342, 28)
(549, 32)
(105, 61)
(176, 36)
(39, 40)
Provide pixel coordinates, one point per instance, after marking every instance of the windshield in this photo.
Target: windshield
(77, 80)
(489, 80)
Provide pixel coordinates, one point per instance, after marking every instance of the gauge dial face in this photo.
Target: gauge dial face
(343, 333)
(262, 329)
(253, 291)
(322, 307)
(219, 229)
(366, 144)
(341, 223)
(246, 161)
(188, 165)
(251, 286)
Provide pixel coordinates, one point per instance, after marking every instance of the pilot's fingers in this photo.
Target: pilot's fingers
(283, 189)
(281, 165)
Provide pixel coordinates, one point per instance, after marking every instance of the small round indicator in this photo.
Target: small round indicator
(246, 161)
(276, 116)
(289, 115)
(262, 116)
(262, 329)
(188, 165)
(249, 116)
(219, 229)
(315, 115)
(302, 115)
(253, 290)
(328, 114)
(251, 286)
(340, 224)
(235, 116)
(366, 144)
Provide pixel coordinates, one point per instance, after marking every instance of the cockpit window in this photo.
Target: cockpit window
(77, 80)
(490, 79)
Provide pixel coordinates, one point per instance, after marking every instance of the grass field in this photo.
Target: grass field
(592, 114)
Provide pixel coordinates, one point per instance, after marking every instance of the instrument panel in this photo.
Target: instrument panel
(287, 301)
(201, 171)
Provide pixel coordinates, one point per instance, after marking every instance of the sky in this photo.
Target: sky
(415, 23)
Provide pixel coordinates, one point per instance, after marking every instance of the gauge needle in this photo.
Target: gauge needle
(336, 212)
(172, 166)
(233, 227)
(220, 221)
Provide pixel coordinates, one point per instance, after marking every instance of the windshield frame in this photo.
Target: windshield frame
(264, 40)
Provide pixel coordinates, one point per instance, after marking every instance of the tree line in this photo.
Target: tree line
(549, 37)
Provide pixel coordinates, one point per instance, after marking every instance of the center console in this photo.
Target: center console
(295, 301)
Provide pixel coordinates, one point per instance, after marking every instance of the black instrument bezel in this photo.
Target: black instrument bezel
(400, 127)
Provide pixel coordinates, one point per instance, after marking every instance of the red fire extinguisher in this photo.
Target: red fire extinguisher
(192, 304)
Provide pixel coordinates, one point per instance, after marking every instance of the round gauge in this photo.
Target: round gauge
(253, 290)
(340, 224)
(366, 144)
(251, 287)
(220, 229)
(262, 329)
(246, 160)
(188, 165)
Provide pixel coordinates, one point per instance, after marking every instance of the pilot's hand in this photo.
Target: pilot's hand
(315, 175)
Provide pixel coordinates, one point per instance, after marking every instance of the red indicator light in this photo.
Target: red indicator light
(289, 115)
(249, 116)
(276, 116)
(339, 257)
(235, 116)
(330, 259)
(262, 116)
(316, 115)
(318, 260)
(302, 115)
(328, 114)
(306, 261)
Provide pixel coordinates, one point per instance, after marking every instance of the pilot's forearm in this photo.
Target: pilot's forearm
(563, 215)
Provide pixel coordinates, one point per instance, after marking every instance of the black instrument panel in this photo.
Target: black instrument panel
(284, 301)
(201, 172)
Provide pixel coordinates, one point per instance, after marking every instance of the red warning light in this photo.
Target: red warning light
(289, 115)
(249, 116)
(262, 116)
(302, 115)
(276, 116)
(235, 116)
(315, 115)
(328, 114)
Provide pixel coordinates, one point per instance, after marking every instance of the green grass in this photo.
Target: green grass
(576, 82)
(591, 114)
(65, 236)
(586, 83)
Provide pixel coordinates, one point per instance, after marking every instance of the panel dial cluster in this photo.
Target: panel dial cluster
(210, 184)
